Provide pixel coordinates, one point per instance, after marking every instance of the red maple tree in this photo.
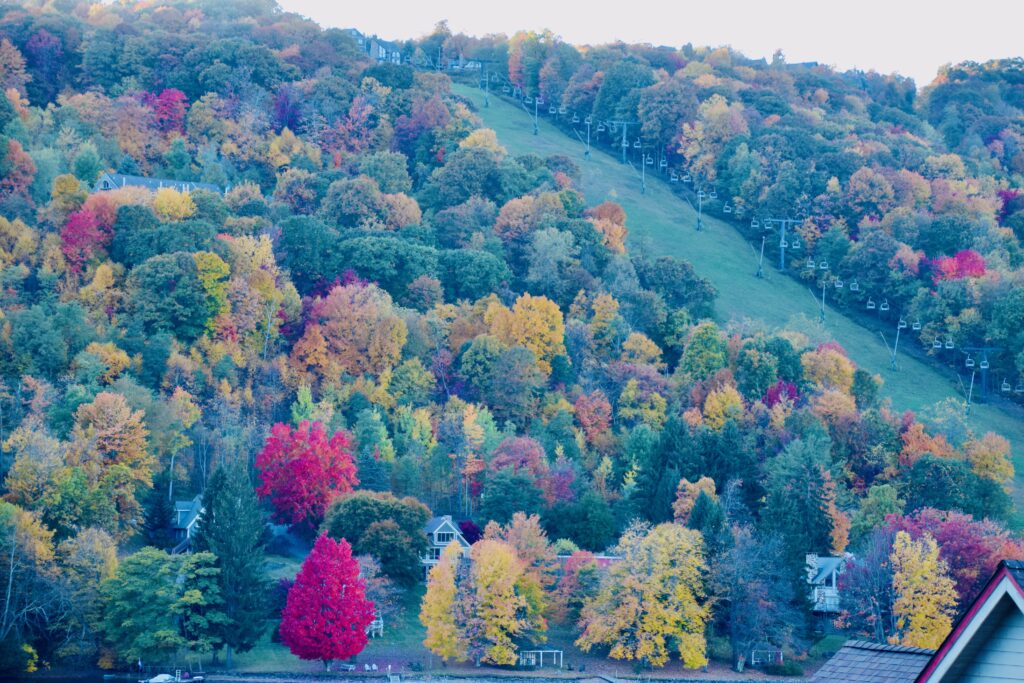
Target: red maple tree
(301, 470)
(81, 237)
(169, 108)
(327, 612)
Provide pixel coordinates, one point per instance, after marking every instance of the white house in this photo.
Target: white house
(823, 577)
(441, 532)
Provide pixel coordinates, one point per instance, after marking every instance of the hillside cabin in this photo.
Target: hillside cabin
(823, 578)
(186, 516)
(381, 51)
(441, 532)
(114, 181)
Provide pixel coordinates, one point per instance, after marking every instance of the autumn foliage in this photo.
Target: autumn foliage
(327, 612)
(302, 469)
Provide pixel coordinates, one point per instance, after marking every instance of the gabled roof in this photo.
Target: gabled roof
(186, 512)
(825, 567)
(154, 184)
(434, 524)
(861, 661)
(1002, 595)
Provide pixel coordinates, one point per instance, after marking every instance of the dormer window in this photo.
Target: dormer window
(444, 537)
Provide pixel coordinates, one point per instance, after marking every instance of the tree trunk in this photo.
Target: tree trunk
(229, 657)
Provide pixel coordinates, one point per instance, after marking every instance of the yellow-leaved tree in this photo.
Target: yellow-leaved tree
(925, 595)
(172, 205)
(652, 598)
(496, 602)
(437, 611)
(535, 322)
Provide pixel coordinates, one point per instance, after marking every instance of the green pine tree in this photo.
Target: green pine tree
(232, 528)
(159, 516)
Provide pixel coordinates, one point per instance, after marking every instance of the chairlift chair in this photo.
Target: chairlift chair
(687, 178)
(575, 118)
(854, 286)
(528, 100)
(784, 244)
(1005, 386)
(884, 306)
(916, 326)
(823, 265)
(754, 223)
(505, 89)
(600, 128)
(700, 194)
(636, 144)
(673, 177)
(810, 263)
(796, 244)
(1019, 389)
(714, 194)
(871, 304)
(588, 120)
(552, 109)
(949, 343)
(983, 364)
(562, 111)
(663, 163)
(902, 324)
(649, 160)
(727, 209)
(937, 344)
(839, 283)
(969, 362)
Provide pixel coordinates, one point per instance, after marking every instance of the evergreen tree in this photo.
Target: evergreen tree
(159, 516)
(232, 528)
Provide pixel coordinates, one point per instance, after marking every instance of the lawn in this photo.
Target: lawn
(662, 223)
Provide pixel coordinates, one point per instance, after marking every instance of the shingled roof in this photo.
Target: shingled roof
(861, 661)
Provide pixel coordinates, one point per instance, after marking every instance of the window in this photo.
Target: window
(444, 537)
(435, 553)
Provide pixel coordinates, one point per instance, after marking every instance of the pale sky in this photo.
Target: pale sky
(910, 37)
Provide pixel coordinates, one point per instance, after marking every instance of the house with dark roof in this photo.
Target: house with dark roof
(114, 181)
(441, 532)
(987, 642)
(379, 50)
(186, 516)
(823, 578)
(861, 661)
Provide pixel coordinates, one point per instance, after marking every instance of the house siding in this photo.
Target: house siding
(1001, 657)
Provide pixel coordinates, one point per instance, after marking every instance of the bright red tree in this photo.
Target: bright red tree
(301, 470)
(81, 237)
(327, 612)
(169, 109)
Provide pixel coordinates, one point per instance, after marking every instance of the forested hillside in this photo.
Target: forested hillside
(340, 305)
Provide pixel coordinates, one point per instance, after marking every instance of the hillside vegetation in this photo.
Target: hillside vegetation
(322, 301)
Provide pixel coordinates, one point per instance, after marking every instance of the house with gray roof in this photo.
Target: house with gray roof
(823, 578)
(441, 532)
(186, 516)
(114, 181)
